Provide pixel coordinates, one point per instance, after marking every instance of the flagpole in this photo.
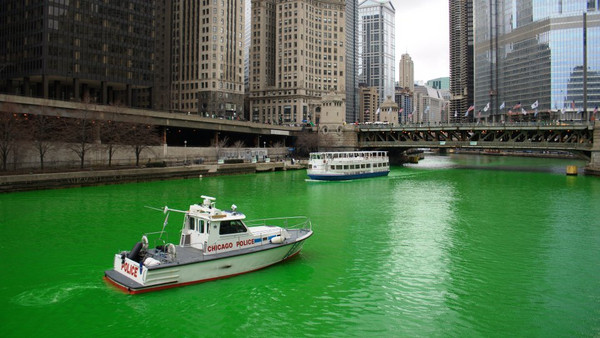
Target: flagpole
(585, 67)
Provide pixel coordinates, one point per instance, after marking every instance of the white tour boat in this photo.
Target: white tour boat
(214, 244)
(347, 165)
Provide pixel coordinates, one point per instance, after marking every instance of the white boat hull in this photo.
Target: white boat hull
(139, 278)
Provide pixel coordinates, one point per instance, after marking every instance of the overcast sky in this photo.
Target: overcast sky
(422, 32)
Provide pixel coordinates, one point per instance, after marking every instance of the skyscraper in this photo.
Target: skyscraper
(535, 54)
(208, 57)
(461, 57)
(376, 66)
(406, 77)
(296, 58)
(352, 91)
(93, 51)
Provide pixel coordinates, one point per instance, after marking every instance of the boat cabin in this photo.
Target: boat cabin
(213, 231)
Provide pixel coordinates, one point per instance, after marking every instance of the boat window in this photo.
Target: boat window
(191, 223)
(201, 230)
(231, 227)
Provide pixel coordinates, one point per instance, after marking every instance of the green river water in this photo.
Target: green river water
(454, 246)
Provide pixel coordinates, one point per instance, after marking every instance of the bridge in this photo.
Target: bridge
(169, 120)
(575, 137)
(572, 136)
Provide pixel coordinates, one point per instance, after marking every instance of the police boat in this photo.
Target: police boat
(214, 244)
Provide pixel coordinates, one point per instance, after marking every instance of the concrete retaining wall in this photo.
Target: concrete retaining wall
(60, 156)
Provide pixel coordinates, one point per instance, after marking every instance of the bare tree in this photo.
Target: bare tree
(219, 145)
(307, 142)
(112, 135)
(238, 145)
(79, 133)
(140, 137)
(10, 131)
(45, 132)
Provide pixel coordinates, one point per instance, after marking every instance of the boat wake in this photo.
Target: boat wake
(51, 295)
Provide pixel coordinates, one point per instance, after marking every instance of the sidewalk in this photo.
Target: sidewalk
(13, 183)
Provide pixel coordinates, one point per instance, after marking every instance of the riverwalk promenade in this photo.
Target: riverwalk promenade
(25, 182)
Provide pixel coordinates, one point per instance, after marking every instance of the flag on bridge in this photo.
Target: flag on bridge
(534, 105)
(468, 110)
(523, 111)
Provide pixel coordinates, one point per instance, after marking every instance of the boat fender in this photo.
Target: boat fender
(171, 249)
(277, 240)
(151, 262)
(145, 242)
(134, 254)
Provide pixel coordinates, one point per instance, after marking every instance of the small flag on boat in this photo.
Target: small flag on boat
(517, 106)
(502, 105)
(487, 106)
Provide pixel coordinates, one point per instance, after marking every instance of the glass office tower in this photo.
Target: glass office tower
(95, 51)
(376, 65)
(543, 53)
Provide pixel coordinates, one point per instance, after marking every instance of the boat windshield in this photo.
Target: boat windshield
(231, 227)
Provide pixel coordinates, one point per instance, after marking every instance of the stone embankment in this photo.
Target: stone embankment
(12, 183)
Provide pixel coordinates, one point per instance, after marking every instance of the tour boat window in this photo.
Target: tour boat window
(201, 226)
(191, 223)
(231, 227)
(345, 166)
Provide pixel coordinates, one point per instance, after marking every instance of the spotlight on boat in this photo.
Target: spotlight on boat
(233, 207)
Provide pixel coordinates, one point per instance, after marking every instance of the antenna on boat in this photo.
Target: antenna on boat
(208, 201)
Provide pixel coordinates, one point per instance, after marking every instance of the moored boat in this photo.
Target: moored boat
(347, 165)
(214, 244)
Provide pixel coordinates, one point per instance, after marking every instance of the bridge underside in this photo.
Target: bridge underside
(555, 137)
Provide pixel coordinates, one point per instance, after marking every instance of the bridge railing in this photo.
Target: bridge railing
(559, 123)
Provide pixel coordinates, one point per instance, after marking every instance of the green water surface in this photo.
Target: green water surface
(453, 246)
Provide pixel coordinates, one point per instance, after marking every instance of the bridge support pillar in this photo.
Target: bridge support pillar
(593, 168)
